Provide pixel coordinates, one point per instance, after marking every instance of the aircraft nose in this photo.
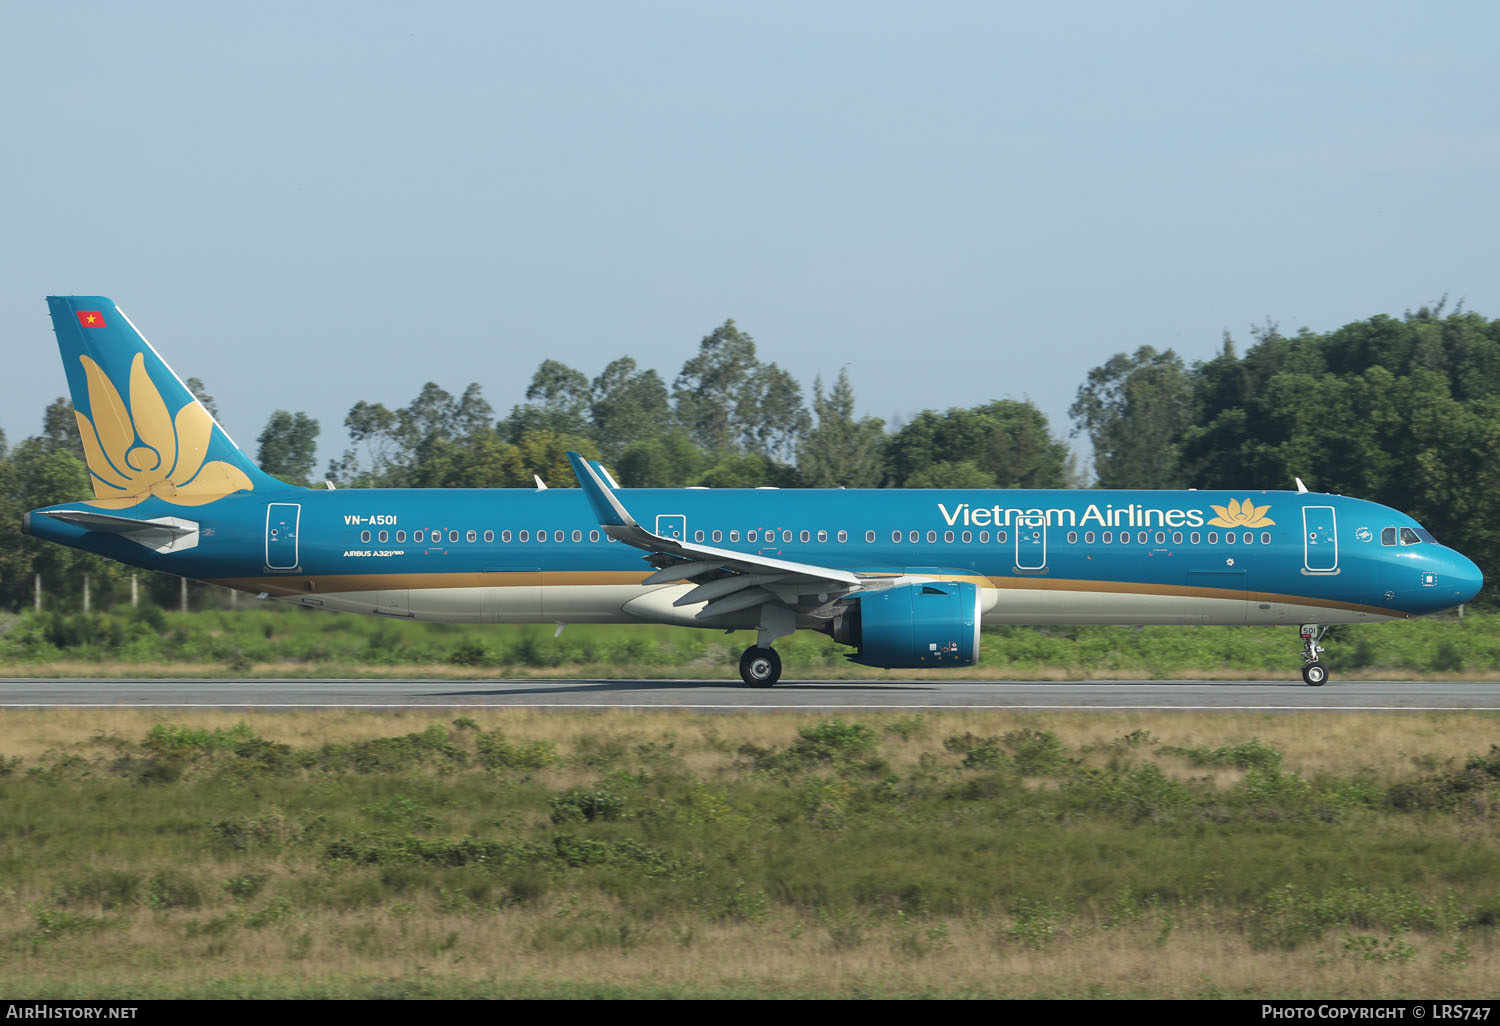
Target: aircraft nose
(1468, 577)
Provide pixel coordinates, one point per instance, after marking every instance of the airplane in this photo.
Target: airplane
(906, 578)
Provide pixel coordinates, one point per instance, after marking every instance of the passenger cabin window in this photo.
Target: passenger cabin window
(734, 535)
(504, 536)
(718, 536)
(984, 537)
(525, 536)
(471, 537)
(870, 537)
(751, 535)
(417, 536)
(594, 535)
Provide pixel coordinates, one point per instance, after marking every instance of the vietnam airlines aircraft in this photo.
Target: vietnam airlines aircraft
(905, 577)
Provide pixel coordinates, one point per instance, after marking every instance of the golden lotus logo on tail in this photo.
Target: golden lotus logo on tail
(1242, 514)
(141, 450)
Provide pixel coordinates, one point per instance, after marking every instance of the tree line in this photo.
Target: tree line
(1400, 410)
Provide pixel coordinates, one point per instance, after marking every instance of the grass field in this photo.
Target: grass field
(272, 640)
(515, 853)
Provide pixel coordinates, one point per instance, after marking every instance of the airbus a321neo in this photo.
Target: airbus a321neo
(904, 577)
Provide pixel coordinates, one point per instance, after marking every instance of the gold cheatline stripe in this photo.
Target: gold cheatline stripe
(334, 583)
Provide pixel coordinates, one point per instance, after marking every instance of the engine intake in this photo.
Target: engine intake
(913, 626)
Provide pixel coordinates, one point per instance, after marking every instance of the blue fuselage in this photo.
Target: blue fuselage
(1038, 556)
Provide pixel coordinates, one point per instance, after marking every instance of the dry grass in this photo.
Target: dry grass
(420, 941)
(539, 951)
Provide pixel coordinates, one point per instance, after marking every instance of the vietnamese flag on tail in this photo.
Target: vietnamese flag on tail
(91, 318)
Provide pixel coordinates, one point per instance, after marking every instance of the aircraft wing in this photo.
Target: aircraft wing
(728, 581)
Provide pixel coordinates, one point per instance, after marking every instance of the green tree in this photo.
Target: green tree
(1004, 443)
(628, 406)
(60, 427)
(840, 452)
(200, 392)
(39, 473)
(712, 392)
(288, 447)
(1135, 410)
(557, 402)
(372, 429)
(671, 460)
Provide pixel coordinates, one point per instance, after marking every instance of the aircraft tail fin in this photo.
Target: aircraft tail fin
(144, 433)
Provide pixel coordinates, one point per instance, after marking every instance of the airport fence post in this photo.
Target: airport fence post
(85, 593)
(135, 592)
(37, 590)
(184, 594)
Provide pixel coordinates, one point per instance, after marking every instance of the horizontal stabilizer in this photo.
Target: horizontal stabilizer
(161, 534)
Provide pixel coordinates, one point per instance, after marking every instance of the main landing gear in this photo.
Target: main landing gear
(760, 667)
(1314, 673)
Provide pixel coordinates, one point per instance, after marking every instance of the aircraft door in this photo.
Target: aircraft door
(672, 525)
(281, 534)
(1031, 545)
(1320, 544)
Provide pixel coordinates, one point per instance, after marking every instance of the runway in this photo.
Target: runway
(271, 694)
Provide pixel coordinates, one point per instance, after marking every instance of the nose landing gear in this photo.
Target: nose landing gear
(1314, 673)
(760, 667)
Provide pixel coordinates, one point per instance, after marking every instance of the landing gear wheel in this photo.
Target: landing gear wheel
(760, 667)
(1315, 674)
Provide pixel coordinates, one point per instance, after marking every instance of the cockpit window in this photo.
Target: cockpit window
(1426, 536)
(1388, 536)
(1410, 537)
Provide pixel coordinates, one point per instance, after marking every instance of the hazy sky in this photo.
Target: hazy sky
(309, 204)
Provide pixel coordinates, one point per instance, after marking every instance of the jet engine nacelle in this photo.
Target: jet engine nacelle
(913, 626)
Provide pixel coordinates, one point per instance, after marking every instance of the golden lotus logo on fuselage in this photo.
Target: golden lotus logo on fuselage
(1242, 514)
(137, 451)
